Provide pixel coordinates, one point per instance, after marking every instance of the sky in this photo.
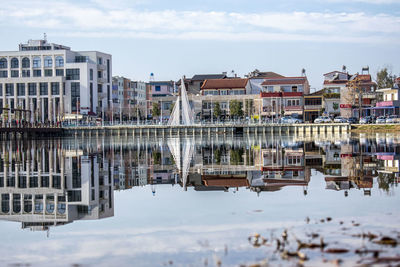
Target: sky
(175, 38)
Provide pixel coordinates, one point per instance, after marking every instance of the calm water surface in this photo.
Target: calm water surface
(192, 202)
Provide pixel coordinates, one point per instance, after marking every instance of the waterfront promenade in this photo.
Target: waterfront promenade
(211, 129)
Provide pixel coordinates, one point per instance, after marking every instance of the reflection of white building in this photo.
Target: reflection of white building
(41, 187)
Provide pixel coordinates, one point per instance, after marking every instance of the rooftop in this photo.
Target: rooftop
(285, 80)
(224, 83)
(202, 77)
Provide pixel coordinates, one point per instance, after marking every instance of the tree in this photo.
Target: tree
(217, 110)
(385, 78)
(235, 108)
(335, 106)
(156, 109)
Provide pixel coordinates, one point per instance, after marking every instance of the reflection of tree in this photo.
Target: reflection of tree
(157, 158)
(237, 156)
(385, 181)
(217, 156)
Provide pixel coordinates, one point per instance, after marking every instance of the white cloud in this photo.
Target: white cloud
(94, 20)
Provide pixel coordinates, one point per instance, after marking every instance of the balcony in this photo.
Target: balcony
(101, 80)
(313, 107)
(300, 108)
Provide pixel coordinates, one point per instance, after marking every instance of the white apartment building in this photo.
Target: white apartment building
(50, 82)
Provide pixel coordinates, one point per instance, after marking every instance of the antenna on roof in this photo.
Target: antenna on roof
(303, 72)
(366, 69)
(151, 77)
(344, 68)
(45, 37)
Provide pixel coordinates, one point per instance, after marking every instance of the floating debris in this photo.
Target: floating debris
(336, 250)
(387, 241)
(302, 245)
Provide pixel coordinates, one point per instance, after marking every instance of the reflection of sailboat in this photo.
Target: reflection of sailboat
(187, 112)
(182, 161)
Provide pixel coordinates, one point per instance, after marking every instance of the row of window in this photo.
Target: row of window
(35, 73)
(36, 62)
(224, 92)
(32, 89)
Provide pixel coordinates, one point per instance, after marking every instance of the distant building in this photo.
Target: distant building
(52, 81)
(313, 104)
(284, 96)
(139, 89)
(194, 84)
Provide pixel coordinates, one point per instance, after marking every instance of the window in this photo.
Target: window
(91, 74)
(20, 89)
(60, 72)
(9, 89)
(75, 94)
(3, 63)
(37, 73)
(59, 61)
(14, 63)
(36, 62)
(81, 59)
(99, 88)
(99, 75)
(3, 74)
(25, 62)
(32, 88)
(44, 89)
(55, 88)
(158, 88)
(26, 73)
(48, 62)
(14, 74)
(99, 60)
(73, 74)
(48, 73)
(108, 71)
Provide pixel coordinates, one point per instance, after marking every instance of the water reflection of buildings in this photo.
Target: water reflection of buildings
(54, 182)
(44, 184)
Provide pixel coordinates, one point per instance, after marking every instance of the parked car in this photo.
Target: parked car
(323, 119)
(366, 120)
(288, 119)
(352, 120)
(393, 119)
(339, 119)
(381, 119)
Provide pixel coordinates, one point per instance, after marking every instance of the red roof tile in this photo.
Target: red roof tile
(224, 83)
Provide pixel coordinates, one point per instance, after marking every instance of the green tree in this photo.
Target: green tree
(217, 110)
(335, 106)
(156, 109)
(384, 78)
(236, 157)
(235, 108)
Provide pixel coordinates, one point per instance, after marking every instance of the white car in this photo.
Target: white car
(393, 119)
(381, 119)
(340, 120)
(323, 119)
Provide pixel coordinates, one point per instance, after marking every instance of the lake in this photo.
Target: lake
(209, 201)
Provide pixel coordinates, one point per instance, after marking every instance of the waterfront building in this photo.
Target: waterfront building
(390, 103)
(256, 78)
(284, 96)
(139, 89)
(194, 84)
(313, 105)
(49, 82)
(159, 91)
(358, 86)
